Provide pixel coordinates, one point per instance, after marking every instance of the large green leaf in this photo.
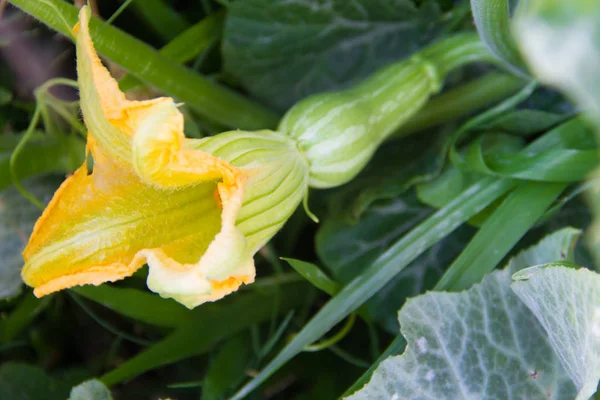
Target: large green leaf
(347, 249)
(567, 304)
(17, 216)
(395, 167)
(482, 343)
(283, 51)
(28, 382)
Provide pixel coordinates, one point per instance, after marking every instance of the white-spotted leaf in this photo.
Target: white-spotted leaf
(566, 301)
(482, 343)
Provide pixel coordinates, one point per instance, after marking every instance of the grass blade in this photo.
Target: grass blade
(210, 324)
(314, 275)
(501, 231)
(357, 292)
(492, 18)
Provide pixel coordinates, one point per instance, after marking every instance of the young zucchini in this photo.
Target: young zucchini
(338, 132)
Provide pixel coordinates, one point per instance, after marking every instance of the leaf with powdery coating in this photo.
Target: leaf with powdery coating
(567, 304)
(482, 343)
(90, 390)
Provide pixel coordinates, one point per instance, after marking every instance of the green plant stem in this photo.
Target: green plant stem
(461, 101)
(209, 99)
(335, 338)
(15, 154)
(116, 14)
(454, 52)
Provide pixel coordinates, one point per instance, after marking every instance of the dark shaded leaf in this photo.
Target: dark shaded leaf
(17, 216)
(347, 249)
(227, 369)
(395, 167)
(27, 382)
(283, 51)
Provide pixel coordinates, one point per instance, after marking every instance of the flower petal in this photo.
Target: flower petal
(148, 199)
(194, 210)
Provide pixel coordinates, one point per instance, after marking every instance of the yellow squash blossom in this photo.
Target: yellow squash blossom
(195, 210)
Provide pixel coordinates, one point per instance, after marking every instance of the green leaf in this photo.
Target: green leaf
(482, 343)
(21, 316)
(492, 18)
(142, 306)
(567, 304)
(5, 96)
(314, 275)
(283, 51)
(211, 324)
(43, 154)
(461, 101)
(90, 390)
(187, 45)
(27, 382)
(227, 369)
(564, 154)
(347, 249)
(523, 122)
(395, 348)
(17, 216)
(160, 17)
(574, 213)
(395, 167)
(560, 40)
(513, 218)
(555, 247)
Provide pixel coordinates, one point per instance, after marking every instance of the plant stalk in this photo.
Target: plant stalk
(211, 100)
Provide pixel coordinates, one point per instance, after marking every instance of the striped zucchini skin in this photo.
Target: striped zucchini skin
(339, 132)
